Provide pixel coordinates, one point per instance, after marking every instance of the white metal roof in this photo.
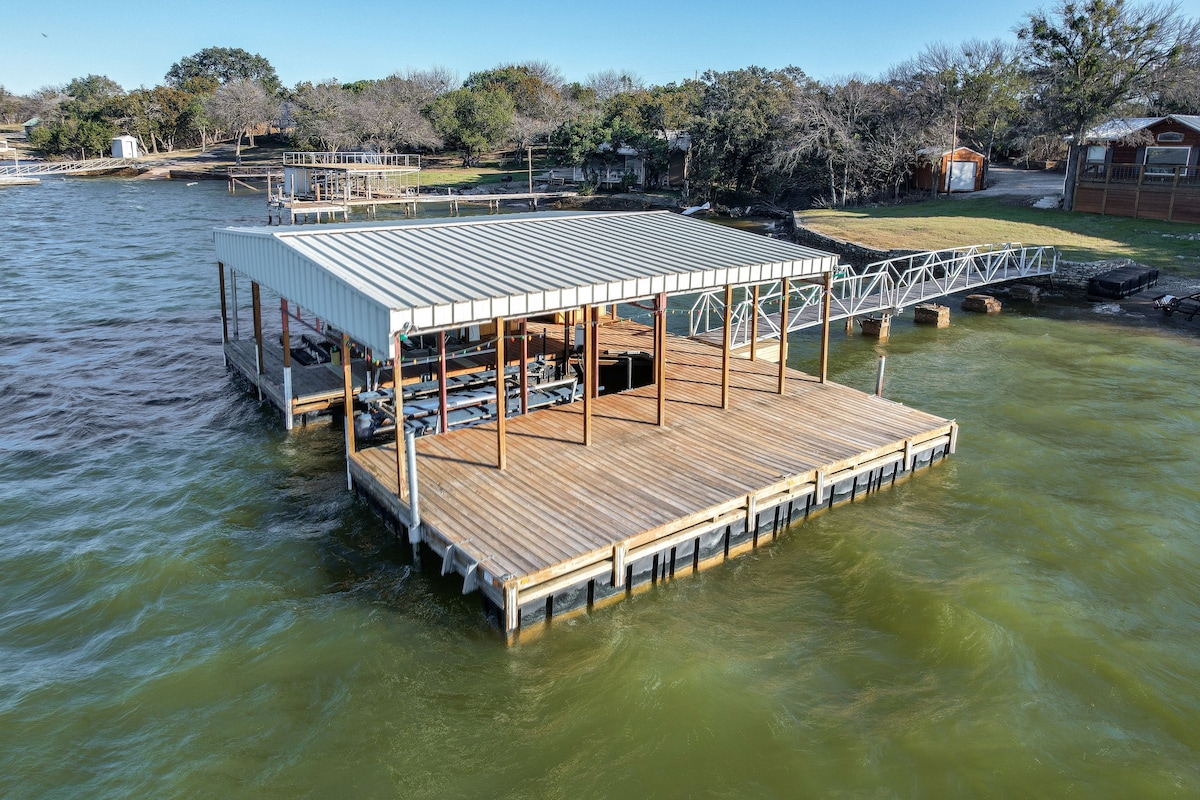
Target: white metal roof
(1117, 129)
(374, 280)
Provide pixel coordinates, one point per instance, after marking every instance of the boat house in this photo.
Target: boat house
(516, 401)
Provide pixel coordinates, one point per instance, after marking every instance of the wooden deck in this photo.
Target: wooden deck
(315, 388)
(566, 526)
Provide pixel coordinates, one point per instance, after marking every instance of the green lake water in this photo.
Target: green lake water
(192, 605)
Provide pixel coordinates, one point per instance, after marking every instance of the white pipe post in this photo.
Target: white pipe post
(414, 517)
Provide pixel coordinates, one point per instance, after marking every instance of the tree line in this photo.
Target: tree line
(775, 135)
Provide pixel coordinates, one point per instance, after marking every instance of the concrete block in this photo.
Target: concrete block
(982, 303)
(932, 314)
(876, 326)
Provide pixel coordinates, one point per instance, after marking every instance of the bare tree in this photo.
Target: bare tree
(239, 107)
(324, 115)
(609, 83)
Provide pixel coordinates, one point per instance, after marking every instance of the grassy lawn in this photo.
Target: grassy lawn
(953, 223)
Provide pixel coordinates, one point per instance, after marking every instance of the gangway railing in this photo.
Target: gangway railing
(883, 287)
(66, 167)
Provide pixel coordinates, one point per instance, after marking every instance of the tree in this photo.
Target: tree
(473, 121)
(1088, 59)
(387, 115)
(162, 116)
(323, 116)
(238, 107)
(222, 65)
(740, 125)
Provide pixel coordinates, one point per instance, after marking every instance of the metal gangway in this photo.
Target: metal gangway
(884, 288)
(65, 167)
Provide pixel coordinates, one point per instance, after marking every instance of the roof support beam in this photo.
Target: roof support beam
(660, 355)
(585, 365)
(443, 424)
(348, 404)
(286, 340)
(501, 398)
(825, 303)
(524, 366)
(398, 392)
(725, 345)
(256, 300)
(224, 307)
(754, 323)
(783, 332)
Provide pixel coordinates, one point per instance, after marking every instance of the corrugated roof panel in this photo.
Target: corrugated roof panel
(371, 279)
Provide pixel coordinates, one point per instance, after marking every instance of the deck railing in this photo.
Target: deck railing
(303, 159)
(1141, 174)
(66, 167)
(882, 287)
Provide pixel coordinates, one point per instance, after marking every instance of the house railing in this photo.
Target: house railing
(1140, 174)
(303, 159)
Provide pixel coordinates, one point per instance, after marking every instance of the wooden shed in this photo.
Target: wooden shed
(966, 174)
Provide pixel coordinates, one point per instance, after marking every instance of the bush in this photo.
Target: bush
(587, 188)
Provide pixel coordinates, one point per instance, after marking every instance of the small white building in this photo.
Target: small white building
(124, 147)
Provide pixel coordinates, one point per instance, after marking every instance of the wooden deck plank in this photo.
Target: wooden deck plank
(561, 503)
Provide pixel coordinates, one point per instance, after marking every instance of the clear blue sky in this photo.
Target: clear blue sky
(135, 43)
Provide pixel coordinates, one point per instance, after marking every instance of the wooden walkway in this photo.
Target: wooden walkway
(565, 527)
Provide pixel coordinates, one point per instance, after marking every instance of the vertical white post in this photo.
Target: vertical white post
(414, 517)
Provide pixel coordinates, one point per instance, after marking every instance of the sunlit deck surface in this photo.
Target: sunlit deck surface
(564, 526)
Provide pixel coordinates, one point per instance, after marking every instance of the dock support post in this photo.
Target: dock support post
(585, 363)
(286, 341)
(443, 423)
(233, 302)
(879, 376)
(524, 366)
(754, 323)
(501, 398)
(224, 316)
(414, 494)
(727, 334)
(348, 398)
(398, 405)
(512, 613)
(594, 355)
(660, 355)
(618, 561)
(783, 332)
(826, 300)
(256, 300)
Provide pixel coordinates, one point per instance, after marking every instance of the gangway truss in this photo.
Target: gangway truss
(883, 287)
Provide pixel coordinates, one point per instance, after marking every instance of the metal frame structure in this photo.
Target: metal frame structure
(884, 286)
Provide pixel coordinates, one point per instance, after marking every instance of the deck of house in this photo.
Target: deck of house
(565, 526)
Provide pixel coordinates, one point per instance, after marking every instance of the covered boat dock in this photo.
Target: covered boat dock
(655, 454)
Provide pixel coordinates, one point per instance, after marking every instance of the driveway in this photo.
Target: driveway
(1034, 183)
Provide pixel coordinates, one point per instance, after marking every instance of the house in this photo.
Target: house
(966, 174)
(30, 124)
(679, 148)
(1145, 167)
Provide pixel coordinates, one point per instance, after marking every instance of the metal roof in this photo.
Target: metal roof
(1117, 129)
(424, 275)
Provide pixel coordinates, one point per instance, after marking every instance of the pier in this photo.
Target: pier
(656, 456)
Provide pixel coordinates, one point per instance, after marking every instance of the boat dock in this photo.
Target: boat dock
(623, 455)
(567, 526)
